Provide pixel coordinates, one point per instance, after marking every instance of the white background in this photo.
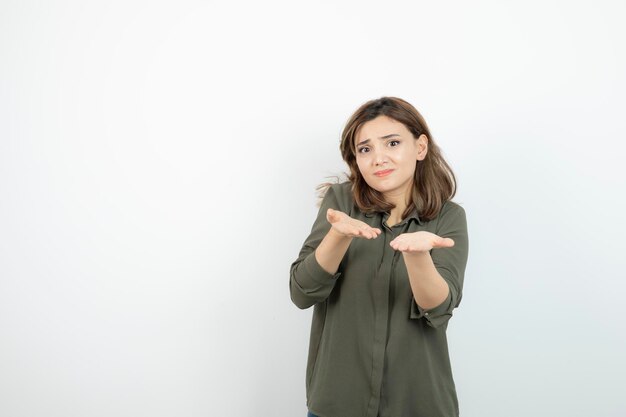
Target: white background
(158, 162)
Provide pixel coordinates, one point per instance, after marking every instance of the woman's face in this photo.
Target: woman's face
(386, 154)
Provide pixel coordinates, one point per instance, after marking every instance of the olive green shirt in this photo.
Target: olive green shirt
(373, 351)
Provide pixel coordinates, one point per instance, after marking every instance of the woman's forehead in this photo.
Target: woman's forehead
(382, 127)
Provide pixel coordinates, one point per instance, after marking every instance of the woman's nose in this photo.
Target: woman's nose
(379, 157)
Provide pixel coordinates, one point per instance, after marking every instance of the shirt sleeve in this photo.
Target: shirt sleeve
(309, 283)
(450, 263)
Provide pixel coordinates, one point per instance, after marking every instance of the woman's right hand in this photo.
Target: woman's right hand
(345, 225)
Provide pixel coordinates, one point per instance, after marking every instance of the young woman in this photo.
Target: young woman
(383, 267)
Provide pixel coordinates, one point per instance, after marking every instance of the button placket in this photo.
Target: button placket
(381, 289)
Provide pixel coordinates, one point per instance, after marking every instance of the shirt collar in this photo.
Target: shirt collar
(412, 215)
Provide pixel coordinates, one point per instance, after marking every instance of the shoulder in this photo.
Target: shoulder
(342, 194)
(343, 189)
(452, 214)
(451, 207)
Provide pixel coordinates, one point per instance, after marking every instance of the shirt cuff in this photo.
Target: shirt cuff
(312, 272)
(436, 315)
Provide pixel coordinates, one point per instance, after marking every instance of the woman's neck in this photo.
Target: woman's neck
(395, 215)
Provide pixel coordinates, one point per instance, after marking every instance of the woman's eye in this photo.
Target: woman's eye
(396, 141)
(362, 149)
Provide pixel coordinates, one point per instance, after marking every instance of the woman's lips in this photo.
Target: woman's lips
(383, 173)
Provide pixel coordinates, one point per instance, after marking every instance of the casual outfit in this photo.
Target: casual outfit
(373, 351)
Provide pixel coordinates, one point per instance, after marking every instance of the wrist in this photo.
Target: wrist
(338, 235)
(416, 254)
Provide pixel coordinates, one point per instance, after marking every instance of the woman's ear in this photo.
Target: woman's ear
(422, 147)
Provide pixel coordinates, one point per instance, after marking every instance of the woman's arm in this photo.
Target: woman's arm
(311, 280)
(333, 247)
(435, 263)
(331, 250)
(428, 286)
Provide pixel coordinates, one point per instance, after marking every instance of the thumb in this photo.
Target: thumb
(331, 215)
(447, 242)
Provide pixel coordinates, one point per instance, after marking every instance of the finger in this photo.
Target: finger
(367, 231)
(444, 243)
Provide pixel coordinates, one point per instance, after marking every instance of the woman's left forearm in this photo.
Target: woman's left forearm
(428, 286)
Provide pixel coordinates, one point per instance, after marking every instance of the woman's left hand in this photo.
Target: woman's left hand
(420, 242)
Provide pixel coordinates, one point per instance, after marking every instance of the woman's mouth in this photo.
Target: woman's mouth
(383, 173)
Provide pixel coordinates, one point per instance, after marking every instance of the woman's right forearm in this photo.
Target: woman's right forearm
(331, 250)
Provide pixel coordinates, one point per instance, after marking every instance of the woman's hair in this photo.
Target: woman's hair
(434, 182)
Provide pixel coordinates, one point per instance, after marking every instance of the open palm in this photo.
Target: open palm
(420, 242)
(347, 226)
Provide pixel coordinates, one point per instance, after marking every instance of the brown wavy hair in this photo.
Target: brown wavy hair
(434, 182)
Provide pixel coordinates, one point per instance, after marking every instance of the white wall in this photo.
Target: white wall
(157, 170)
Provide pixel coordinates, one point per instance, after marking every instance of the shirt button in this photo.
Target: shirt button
(425, 314)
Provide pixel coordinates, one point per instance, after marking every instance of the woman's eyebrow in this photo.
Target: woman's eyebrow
(363, 142)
